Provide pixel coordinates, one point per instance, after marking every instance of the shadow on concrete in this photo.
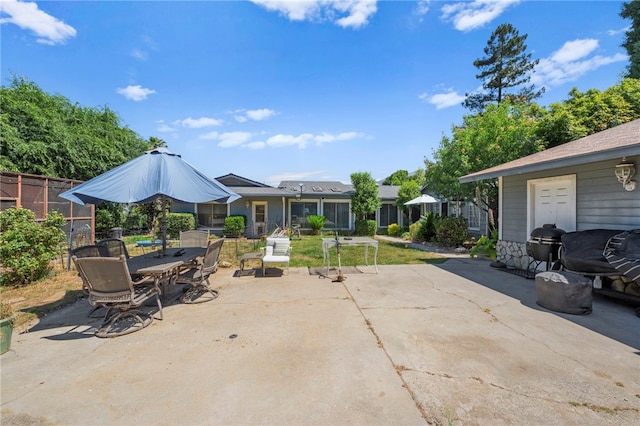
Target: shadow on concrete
(613, 318)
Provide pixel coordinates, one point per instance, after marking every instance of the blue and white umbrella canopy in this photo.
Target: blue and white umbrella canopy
(157, 173)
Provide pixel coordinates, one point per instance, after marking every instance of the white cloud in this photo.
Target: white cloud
(28, 16)
(135, 93)
(231, 139)
(138, 54)
(198, 123)
(240, 118)
(281, 140)
(467, 16)
(443, 100)
(345, 13)
(256, 145)
(165, 128)
(422, 8)
(260, 114)
(571, 62)
(329, 138)
(209, 136)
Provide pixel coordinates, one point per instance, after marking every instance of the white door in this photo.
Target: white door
(260, 218)
(553, 200)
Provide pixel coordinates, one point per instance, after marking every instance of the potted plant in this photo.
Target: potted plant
(6, 326)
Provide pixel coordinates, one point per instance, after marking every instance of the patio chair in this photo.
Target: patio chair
(87, 251)
(113, 247)
(276, 251)
(194, 238)
(110, 286)
(196, 277)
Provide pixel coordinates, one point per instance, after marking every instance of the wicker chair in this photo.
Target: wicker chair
(196, 277)
(110, 286)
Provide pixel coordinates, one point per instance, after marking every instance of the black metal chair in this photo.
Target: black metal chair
(113, 247)
(110, 286)
(196, 277)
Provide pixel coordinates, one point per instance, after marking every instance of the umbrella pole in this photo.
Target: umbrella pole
(163, 227)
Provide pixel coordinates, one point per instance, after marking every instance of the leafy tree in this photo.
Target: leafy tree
(505, 66)
(407, 192)
(585, 113)
(502, 133)
(48, 135)
(396, 178)
(365, 200)
(155, 142)
(631, 10)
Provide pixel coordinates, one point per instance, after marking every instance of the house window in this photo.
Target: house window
(337, 215)
(473, 216)
(301, 210)
(212, 215)
(388, 214)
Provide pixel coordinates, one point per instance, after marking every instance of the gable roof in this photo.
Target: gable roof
(235, 180)
(616, 142)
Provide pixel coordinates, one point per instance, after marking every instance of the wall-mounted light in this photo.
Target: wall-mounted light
(247, 204)
(624, 172)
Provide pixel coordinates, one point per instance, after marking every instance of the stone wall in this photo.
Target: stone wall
(513, 254)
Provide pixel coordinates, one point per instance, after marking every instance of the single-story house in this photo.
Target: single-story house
(574, 186)
(288, 205)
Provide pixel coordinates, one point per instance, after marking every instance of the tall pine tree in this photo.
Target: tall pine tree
(631, 10)
(507, 65)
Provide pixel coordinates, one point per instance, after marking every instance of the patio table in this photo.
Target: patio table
(328, 243)
(164, 268)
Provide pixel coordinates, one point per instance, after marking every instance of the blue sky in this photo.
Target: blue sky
(298, 90)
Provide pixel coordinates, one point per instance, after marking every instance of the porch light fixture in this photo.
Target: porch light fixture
(247, 204)
(624, 172)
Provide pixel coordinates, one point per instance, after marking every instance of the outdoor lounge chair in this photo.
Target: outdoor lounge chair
(196, 277)
(194, 238)
(277, 251)
(110, 286)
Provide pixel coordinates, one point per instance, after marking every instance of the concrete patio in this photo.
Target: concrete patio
(456, 343)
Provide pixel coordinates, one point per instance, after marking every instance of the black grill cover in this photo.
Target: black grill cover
(563, 291)
(582, 251)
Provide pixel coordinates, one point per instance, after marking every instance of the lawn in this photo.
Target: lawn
(64, 287)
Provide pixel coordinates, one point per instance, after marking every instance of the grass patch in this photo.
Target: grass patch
(65, 287)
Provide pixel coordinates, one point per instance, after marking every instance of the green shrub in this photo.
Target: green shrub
(27, 247)
(366, 227)
(104, 222)
(176, 222)
(451, 231)
(486, 245)
(234, 226)
(316, 223)
(135, 221)
(394, 230)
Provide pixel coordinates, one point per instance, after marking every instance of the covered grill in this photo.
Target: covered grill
(544, 246)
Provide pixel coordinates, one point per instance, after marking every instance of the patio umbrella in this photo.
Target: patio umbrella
(157, 173)
(422, 199)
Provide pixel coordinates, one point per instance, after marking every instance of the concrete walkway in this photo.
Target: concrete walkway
(456, 343)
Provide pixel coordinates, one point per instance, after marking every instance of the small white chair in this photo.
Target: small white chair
(277, 251)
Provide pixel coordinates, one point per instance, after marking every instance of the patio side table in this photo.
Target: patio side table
(250, 256)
